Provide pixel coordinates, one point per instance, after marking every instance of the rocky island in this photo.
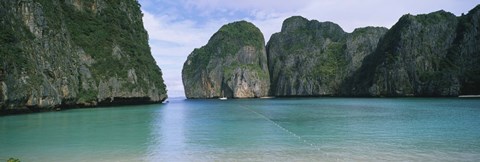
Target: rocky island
(232, 64)
(436, 54)
(75, 53)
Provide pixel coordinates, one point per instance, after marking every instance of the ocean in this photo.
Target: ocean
(279, 129)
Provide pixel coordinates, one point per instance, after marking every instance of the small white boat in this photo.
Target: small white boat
(223, 98)
(267, 97)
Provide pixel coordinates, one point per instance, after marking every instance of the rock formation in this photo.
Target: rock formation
(311, 58)
(232, 64)
(424, 55)
(75, 53)
(463, 58)
(436, 54)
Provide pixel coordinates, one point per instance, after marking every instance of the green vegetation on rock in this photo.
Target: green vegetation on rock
(244, 34)
(67, 53)
(333, 64)
(311, 58)
(435, 54)
(227, 41)
(419, 56)
(233, 64)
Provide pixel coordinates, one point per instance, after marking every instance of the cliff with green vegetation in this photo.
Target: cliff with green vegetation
(232, 64)
(311, 58)
(463, 58)
(61, 53)
(434, 54)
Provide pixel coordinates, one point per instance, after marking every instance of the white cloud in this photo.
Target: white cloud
(246, 5)
(167, 29)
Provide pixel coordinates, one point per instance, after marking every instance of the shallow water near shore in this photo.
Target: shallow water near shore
(290, 129)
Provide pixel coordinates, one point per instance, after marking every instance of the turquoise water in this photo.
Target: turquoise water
(325, 129)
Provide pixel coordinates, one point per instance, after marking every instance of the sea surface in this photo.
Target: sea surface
(293, 129)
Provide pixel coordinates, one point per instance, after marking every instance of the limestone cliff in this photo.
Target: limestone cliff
(232, 64)
(436, 54)
(463, 58)
(417, 57)
(59, 53)
(311, 58)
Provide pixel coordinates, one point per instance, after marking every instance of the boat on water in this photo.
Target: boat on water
(267, 97)
(223, 98)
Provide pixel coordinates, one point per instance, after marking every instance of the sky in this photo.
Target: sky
(176, 27)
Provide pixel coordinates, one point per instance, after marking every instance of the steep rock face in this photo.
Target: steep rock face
(409, 60)
(232, 64)
(68, 53)
(311, 58)
(361, 43)
(463, 59)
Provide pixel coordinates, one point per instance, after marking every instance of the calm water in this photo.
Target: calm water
(327, 129)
